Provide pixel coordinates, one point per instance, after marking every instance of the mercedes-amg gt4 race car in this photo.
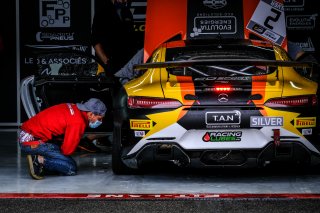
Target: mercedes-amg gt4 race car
(231, 104)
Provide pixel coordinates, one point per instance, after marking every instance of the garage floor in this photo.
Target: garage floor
(95, 176)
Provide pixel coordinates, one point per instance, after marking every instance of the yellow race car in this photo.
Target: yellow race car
(231, 103)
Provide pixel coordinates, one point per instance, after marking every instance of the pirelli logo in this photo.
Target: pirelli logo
(141, 124)
(305, 122)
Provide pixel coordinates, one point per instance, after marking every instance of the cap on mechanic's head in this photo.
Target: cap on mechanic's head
(94, 105)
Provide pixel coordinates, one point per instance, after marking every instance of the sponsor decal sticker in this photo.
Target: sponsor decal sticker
(306, 131)
(210, 78)
(305, 122)
(231, 136)
(234, 126)
(141, 124)
(223, 118)
(208, 18)
(214, 25)
(139, 134)
(215, 4)
(260, 121)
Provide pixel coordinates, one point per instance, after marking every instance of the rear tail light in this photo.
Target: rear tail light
(222, 89)
(295, 101)
(154, 103)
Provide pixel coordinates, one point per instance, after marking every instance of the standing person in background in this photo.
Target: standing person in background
(112, 32)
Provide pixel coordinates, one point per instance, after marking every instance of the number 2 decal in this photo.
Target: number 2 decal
(268, 21)
(273, 19)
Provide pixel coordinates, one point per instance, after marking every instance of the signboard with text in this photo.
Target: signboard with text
(302, 24)
(211, 19)
(49, 26)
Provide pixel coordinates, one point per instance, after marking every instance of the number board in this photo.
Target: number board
(268, 21)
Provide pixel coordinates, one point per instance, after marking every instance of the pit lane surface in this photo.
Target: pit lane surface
(275, 189)
(95, 176)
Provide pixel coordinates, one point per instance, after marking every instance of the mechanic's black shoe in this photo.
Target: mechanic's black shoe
(87, 145)
(35, 168)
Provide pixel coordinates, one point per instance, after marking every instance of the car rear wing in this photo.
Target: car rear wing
(188, 63)
(215, 63)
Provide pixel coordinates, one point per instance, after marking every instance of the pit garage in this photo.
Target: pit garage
(262, 122)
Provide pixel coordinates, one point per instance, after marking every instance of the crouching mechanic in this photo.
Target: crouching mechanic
(68, 120)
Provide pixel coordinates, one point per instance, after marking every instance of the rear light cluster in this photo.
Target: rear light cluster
(296, 101)
(222, 89)
(152, 103)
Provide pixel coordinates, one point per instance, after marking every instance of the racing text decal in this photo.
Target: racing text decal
(222, 136)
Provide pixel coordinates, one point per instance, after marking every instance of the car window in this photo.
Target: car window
(227, 69)
(222, 70)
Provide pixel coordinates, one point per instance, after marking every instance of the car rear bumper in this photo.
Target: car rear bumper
(288, 152)
(221, 139)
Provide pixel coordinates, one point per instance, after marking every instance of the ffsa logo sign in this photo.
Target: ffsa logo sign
(54, 13)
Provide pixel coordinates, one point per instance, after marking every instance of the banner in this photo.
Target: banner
(138, 9)
(214, 19)
(302, 23)
(52, 25)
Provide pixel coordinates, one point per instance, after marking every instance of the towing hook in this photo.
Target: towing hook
(276, 137)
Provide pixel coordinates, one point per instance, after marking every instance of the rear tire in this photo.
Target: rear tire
(118, 167)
